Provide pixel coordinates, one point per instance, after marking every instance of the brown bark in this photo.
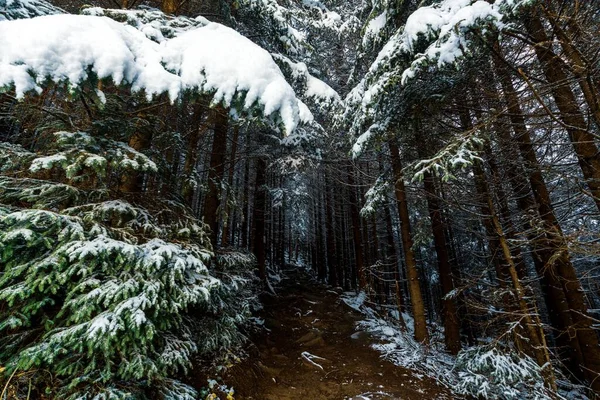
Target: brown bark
(570, 114)
(191, 157)
(449, 310)
(542, 249)
(531, 320)
(228, 217)
(558, 271)
(393, 260)
(356, 233)
(330, 232)
(412, 273)
(580, 67)
(258, 218)
(169, 6)
(216, 172)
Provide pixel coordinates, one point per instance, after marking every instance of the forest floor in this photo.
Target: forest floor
(310, 349)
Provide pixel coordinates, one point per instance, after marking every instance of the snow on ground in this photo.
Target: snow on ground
(480, 371)
(210, 59)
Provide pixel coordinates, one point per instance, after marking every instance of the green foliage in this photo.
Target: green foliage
(94, 309)
(492, 373)
(77, 153)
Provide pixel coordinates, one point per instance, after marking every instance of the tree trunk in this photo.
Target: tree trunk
(533, 325)
(331, 247)
(558, 271)
(169, 6)
(449, 311)
(356, 233)
(191, 157)
(215, 173)
(228, 220)
(412, 273)
(258, 218)
(574, 122)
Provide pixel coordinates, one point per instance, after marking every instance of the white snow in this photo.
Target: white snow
(26, 234)
(211, 59)
(47, 162)
(376, 24)
(354, 301)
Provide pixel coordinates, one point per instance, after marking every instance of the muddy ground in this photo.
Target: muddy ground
(310, 349)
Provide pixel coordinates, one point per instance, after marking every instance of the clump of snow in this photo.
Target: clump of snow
(211, 59)
(354, 300)
(361, 143)
(217, 59)
(444, 27)
(375, 26)
(47, 162)
(309, 87)
(20, 9)
(153, 23)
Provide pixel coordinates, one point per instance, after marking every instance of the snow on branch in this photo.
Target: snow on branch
(18, 9)
(438, 34)
(460, 153)
(433, 36)
(210, 59)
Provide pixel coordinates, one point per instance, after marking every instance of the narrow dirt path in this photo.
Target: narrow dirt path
(312, 351)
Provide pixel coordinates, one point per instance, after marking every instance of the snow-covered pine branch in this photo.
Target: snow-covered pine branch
(439, 35)
(211, 59)
(97, 294)
(19, 9)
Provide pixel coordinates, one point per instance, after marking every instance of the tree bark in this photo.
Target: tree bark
(228, 220)
(449, 311)
(357, 233)
(558, 271)
(412, 273)
(258, 218)
(330, 232)
(215, 174)
(574, 122)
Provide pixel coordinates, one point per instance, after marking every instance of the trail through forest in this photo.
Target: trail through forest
(310, 349)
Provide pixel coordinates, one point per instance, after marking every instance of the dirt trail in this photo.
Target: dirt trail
(310, 319)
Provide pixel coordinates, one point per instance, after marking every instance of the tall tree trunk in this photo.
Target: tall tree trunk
(581, 68)
(258, 218)
(191, 158)
(216, 172)
(449, 311)
(228, 211)
(574, 122)
(245, 214)
(412, 273)
(331, 247)
(558, 272)
(542, 249)
(356, 233)
(393, 260)
(533, 326)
